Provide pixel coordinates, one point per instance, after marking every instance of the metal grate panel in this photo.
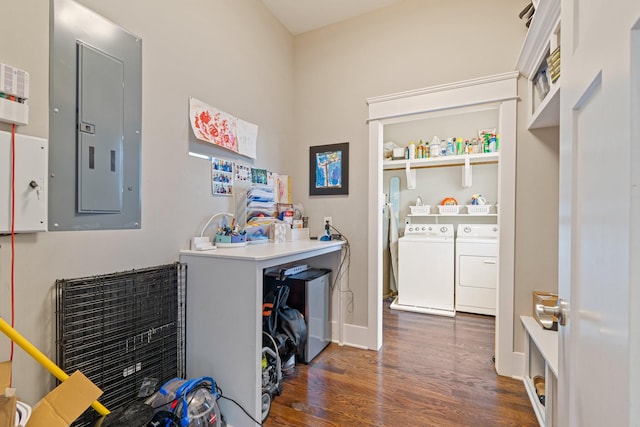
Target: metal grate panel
(121, 328)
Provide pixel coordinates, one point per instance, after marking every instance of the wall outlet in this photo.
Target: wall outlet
(327, 219)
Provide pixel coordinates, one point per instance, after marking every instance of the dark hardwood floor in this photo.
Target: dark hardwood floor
(431, 371)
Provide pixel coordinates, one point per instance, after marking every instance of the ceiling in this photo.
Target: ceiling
(300, 16)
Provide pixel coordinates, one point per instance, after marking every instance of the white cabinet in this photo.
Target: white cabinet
(539, 62)
(541, 360)
(30, 183)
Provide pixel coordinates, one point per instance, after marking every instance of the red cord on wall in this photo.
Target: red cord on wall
(13, 224)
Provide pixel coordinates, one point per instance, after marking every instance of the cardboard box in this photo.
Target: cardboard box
(61, 406)
(548, 299)
(7, 404)
(5, 375)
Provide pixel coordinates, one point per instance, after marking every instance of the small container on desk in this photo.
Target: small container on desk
(231, 241)
(297, 234)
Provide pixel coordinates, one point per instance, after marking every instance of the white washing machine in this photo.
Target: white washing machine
(476, 268)
(426, 269)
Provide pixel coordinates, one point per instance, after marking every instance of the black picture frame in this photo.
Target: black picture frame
(329, 169)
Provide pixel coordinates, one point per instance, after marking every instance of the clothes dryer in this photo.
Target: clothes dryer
(426, 269)
(476, 268)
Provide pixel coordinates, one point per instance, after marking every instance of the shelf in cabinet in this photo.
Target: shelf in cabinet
(548, 112)
(441, 161)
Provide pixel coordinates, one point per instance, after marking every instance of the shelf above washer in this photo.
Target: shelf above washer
(453, 215)
(441, 161)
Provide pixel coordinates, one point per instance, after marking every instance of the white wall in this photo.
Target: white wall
(233, 55)
(411, 45)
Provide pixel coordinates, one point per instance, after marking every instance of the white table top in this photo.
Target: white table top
(266, 251)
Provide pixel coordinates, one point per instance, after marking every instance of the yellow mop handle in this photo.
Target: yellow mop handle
(42, 359)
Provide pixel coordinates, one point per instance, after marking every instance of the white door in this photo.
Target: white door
(598, 189)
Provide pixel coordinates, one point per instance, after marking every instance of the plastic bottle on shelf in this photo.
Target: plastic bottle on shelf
(492, 143)
(434, 148)
(412, 150)
(459, 146)
(451, 149)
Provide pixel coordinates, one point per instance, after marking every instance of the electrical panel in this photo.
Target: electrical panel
(95, 122)
(100, 130)
(30, 183)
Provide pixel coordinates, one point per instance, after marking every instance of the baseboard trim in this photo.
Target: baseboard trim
(353, 335)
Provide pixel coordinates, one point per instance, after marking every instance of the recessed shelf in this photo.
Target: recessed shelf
(548, 112)
(541, 41)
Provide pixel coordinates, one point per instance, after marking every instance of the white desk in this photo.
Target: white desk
(224, 314)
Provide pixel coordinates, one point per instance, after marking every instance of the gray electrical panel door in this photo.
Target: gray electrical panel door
(95, 119)
(100, 131)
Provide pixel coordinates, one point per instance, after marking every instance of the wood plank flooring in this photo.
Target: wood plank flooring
(431, 371)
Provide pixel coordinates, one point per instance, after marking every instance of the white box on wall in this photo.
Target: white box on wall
(14, 87)
(30, 183)
(14, 81)
(14, 112)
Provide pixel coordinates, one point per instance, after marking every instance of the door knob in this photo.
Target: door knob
(547, 314)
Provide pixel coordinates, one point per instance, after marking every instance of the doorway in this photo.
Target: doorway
(500, 92)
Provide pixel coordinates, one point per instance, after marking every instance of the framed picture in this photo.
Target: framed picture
(329, 169)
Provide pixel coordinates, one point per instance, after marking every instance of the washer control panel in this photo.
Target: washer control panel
(429, 229)
(418, 229)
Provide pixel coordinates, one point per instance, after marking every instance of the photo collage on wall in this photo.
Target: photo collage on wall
(225, 174)
(221, 177)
